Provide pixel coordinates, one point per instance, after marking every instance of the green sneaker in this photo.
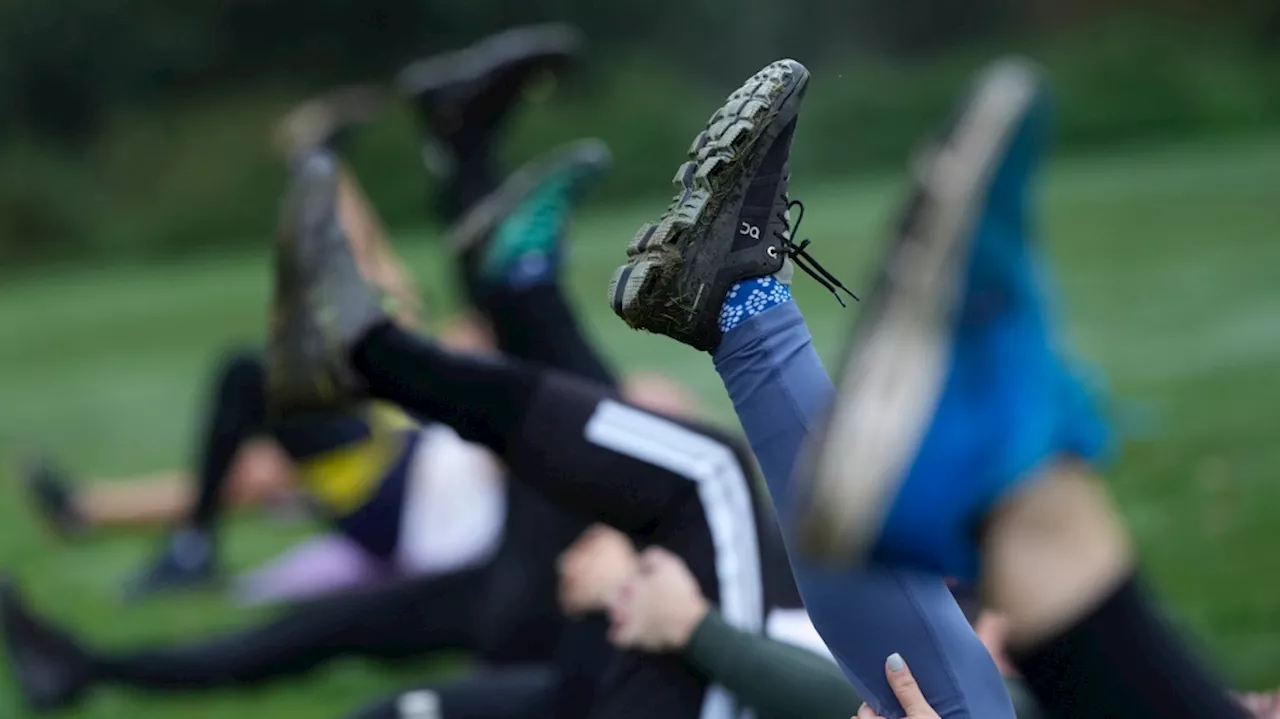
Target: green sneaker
(514, 237)
(322, 304)
(730, 220)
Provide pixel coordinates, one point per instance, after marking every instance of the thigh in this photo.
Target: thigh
(574, 449)
(644, 686)
(719, 543)
(519, 610)
(665, 482)
(583, 657)
(519, 617)
(678, 485)
(414, 617)
(865, 616)
(596, 456)
(723, 551)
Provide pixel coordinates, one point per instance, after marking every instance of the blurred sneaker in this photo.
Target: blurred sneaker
(953, 393)
(729, 221)
(322, 303)
(52, 672)
(50, 491)
(326, 121)
(514, 237)
(461, 97)
(187, 561)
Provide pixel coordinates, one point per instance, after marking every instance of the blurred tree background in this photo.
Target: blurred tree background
(139, 128)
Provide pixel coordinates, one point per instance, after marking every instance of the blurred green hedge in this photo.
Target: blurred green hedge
(201, 174)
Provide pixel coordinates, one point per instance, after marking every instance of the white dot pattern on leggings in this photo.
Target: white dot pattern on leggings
(748, 298)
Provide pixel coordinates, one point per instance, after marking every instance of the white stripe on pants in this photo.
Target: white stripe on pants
(726, 498)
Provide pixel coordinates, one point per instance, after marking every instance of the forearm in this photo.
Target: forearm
(777, 680)
(783, 681)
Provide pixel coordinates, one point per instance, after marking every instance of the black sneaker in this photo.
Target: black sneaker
(52, 671)
(322, 304)
(730, 220)
(462, 96)
(49, 489)
(187, 561)
(326, 121)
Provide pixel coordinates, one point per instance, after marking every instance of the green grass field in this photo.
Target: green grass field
(1170, 267)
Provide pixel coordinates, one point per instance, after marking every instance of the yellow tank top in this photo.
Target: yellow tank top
(344, 478)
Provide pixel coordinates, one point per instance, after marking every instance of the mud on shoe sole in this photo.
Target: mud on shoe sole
(645, 291)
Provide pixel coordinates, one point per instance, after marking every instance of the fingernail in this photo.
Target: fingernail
(895, 662)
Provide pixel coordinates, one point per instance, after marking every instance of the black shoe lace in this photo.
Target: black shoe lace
(799, 253)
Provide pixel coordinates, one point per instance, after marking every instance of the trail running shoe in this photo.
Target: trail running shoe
(730, 219)
(462, 96)
(187, 560)
(953, 393)
(52, 672)
(51, 492)
(322, 304)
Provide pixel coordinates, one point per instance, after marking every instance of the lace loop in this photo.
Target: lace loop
(799, 254)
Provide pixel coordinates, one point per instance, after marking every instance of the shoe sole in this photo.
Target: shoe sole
(474, 62)
(717, 162)
(896, 370)
(309, 210)
(475, 228)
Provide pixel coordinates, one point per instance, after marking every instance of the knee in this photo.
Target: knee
(241, 369)
(261, 471)
(241, 385)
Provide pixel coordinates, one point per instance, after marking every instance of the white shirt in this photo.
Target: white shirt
(455, 506)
